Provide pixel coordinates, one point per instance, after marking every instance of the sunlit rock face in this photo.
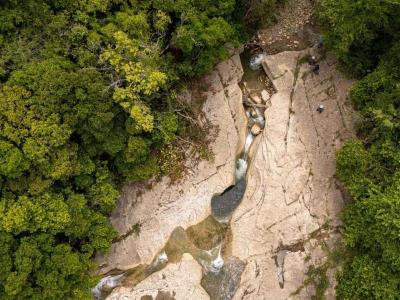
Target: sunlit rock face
(161, 208)
(292, 201)
(177, 281)
(278, 198)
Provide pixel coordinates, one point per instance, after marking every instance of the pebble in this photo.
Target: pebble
(253, 113)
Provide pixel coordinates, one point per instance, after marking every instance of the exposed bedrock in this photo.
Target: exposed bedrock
(289, 213)
(177, 281)
(292, 202)
(164, 206)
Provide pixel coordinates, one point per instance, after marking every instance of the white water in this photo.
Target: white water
(255, 61)
(161, 258)
(241, 168)
(249, 141)
(217, 263)
(109, 282)
(211, 260)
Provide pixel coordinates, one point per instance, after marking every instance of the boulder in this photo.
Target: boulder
(256, 129)
(178, 281)
(256, 99)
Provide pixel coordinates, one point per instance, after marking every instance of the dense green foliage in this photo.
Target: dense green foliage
(87, 102)
(360, 32)
(366, 38)
(256, 13)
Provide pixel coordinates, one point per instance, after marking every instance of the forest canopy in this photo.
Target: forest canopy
(87, 95)
(365, 36)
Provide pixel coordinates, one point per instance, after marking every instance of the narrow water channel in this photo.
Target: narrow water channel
(255, 97)
(209, 241)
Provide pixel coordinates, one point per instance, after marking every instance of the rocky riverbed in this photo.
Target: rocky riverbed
(286, 216)
(165, 210)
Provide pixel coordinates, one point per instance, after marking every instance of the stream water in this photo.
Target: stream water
(209, 241)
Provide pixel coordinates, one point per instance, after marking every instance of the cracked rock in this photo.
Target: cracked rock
(165, 206)
(290, 182)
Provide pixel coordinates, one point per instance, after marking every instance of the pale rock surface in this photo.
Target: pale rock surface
(256, 99)
(265, 95)
(291, 190)
(163, 207)
(181, 281)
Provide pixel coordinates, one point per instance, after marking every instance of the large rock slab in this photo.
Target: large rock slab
(160, 207)
(176, 281)
(291, 190)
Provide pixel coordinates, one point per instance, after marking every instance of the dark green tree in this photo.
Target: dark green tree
(365, 37)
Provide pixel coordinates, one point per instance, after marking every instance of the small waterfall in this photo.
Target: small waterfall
(249, 141)
(241, 168)
(217, 263)
(255, 61)
(106, 283)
